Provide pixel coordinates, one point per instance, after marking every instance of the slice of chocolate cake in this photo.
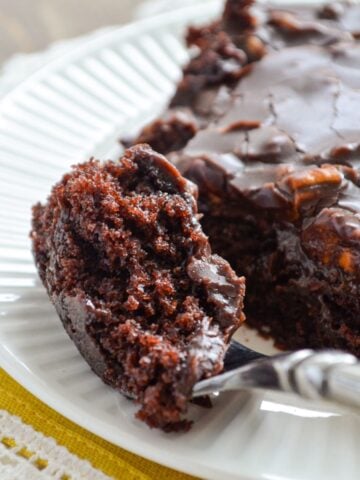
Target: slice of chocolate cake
(275, 94)
(280, 192)
(122, 255)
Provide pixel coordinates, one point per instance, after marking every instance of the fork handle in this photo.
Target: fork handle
(330, 375)
(327, 374)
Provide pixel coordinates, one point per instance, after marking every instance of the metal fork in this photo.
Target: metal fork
(329, 375)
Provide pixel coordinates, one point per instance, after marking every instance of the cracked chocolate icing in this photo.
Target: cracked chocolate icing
(297, 105)
(227, 49)
(248, 31)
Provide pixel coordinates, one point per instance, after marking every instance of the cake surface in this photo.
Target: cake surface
(123, 257)
(275, 155)
(227, 49)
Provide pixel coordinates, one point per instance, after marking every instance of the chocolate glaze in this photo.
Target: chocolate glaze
(290, 117)
(253, 30)
(227, 49)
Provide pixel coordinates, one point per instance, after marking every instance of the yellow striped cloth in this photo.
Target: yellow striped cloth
(104, 456)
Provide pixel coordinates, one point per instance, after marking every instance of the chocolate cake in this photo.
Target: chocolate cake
(122, 255)
(280, 192)
(275, 98)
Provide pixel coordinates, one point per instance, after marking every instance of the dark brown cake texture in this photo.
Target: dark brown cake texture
(275, 156)
(124, 260)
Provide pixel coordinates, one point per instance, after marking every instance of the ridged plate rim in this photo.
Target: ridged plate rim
(34, 383)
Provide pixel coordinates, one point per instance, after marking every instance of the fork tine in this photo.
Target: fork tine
(239, 355)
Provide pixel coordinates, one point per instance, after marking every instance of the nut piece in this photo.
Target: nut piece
(254, 48)
(333, 239)
(324, 175)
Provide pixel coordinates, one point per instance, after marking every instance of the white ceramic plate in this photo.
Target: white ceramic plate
(75, 107)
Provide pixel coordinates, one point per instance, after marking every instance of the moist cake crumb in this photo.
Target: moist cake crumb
(120, 250)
